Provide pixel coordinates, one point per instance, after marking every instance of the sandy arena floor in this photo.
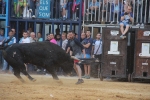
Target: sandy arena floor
(45, 88)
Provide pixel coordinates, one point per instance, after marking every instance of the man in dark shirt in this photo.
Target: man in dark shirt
(76, 49)
(87, 44)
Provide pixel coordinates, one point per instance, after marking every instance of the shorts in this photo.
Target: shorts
(77, 56)
(124, 23)
(22, 3)
(88, 55)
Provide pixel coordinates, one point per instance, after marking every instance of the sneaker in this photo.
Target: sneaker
(122, 37)
(38, 70)
(64, 18)
(33, 16)
(111, 22)
(142, 25)
(80, 81)
(84, 76)
(138, 24)
(87, 77)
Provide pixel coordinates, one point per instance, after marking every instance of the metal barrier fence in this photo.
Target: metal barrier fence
(91, 10)
(111, 10)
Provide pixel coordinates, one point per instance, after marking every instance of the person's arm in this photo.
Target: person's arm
(78, 43)
(131, 17)
(20, 40)
(71, 53)
(14, 40)
(83, 51)
(88, 44)
(122, 17)
(68, 49)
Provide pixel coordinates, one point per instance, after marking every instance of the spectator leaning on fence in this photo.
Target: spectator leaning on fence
(32, 37)
(126, 18)
(39, 37)
(9, 40)
(87, 44)
(51, 37)
(25, 38)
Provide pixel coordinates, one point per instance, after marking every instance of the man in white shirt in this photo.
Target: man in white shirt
(32, 37)
(25, 38)
(65, 41)
(97, 47)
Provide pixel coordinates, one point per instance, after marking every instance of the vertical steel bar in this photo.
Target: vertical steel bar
(95, 14)
(118, 11)
(133, 11)
(92, 10)
(137, 11)
(84, 11)
(145, 11)
(106, 9)
(110, 12)
(149, 13)
(43, 31)
(53, 28)
(103, 12)
(114, 11)
(141, 12)
(99, 12)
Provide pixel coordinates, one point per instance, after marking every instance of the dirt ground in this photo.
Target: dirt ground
(45, 88)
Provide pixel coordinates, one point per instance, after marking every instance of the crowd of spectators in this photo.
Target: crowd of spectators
(67, 41)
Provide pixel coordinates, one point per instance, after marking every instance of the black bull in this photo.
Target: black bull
(44, 54)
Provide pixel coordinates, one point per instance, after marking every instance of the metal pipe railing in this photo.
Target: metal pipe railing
(141, 13)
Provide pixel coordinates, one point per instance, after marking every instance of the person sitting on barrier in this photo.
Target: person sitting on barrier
(126, 18)
(116, 8)
(105, 10)
(69, 9)
(14, 8)
(87, 44)
(63, 8)
(20, 6)
(93, 7)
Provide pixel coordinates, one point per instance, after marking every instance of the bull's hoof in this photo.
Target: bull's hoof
(59, 82)
(33, 80)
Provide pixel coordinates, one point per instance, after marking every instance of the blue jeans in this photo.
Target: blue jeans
(5, 66)
(69, 10)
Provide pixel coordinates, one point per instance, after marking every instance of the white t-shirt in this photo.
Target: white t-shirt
(97, 47)
(64, 43)
(25, 40)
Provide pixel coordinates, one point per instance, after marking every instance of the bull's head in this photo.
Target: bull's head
(68, 66)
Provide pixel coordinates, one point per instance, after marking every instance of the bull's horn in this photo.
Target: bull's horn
(73, 57)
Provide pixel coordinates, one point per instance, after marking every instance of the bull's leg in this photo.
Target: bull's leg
(17, 74)
(28, 76)
(52, 71)
(23, 70)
